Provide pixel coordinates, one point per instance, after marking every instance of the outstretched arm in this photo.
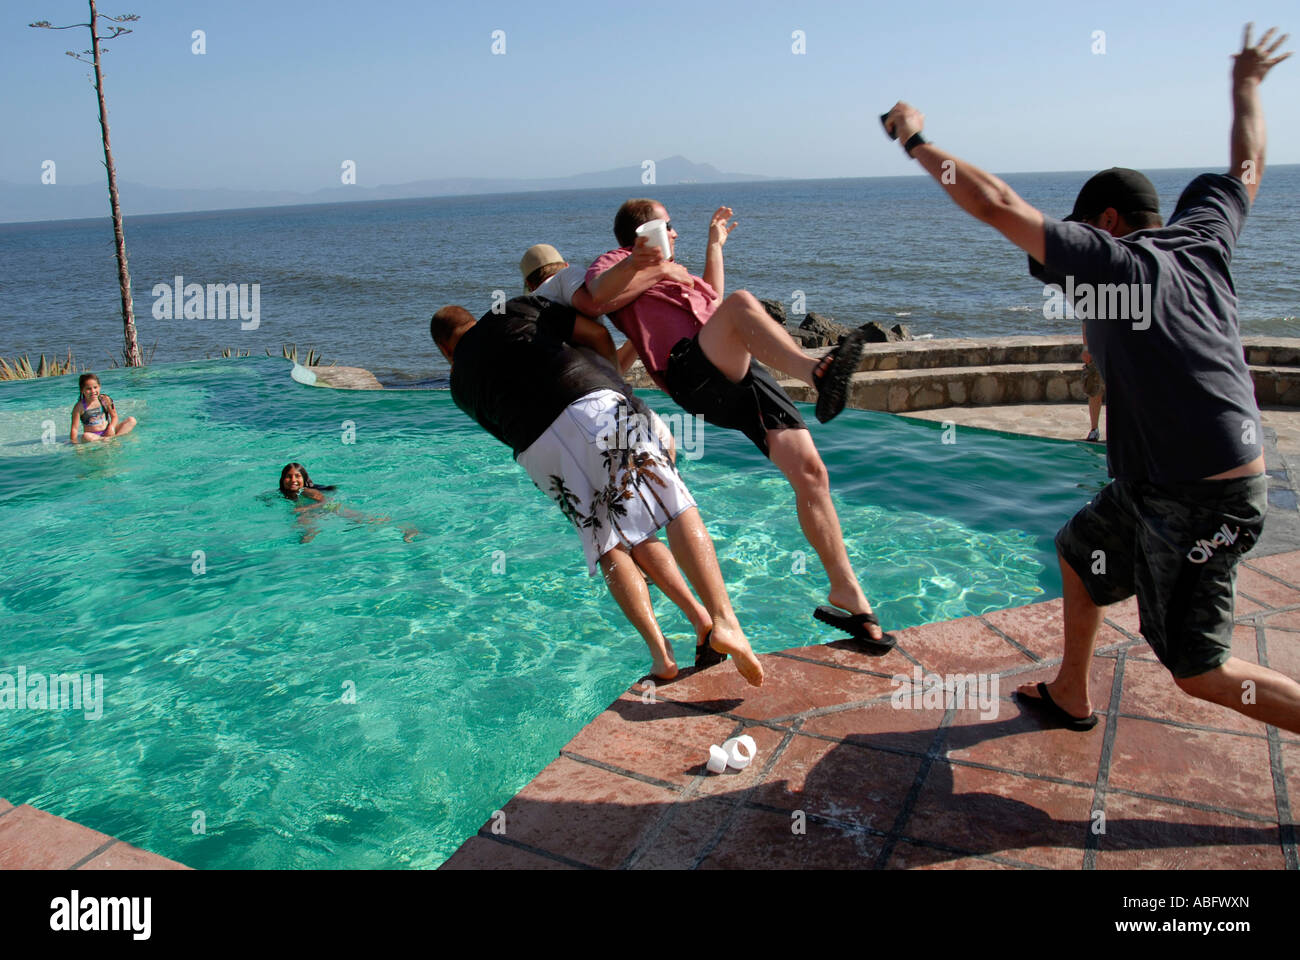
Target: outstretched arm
(982, 195)
(1248, 133)
(718, 233)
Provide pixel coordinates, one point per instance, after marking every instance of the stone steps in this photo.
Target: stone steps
(928, 374)
(901, 391)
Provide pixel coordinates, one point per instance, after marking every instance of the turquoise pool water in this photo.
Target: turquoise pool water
(224, 692)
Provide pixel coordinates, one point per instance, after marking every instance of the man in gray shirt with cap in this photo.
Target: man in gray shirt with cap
(1189, 491)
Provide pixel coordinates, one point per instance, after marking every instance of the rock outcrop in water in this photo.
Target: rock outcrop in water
(817, 330)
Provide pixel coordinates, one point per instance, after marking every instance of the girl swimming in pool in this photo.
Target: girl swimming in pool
(295, 484)
(94, 416)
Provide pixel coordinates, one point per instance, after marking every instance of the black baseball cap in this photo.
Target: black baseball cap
(1125, 190)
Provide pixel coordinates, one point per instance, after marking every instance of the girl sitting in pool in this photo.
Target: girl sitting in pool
(295, 484)
(95, 414)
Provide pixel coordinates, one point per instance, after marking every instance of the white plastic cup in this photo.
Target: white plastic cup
(656, 234)
(740, 751)
(717, 759)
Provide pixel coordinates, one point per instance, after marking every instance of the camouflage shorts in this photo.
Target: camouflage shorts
(1176, 546)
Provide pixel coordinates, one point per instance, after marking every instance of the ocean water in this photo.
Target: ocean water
(165, 563)
(358, 282)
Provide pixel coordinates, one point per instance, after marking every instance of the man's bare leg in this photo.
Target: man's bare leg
(795, 455)
(741, 330)
(658, 563)
(1094, 411)
(1275, 697)
(1070, 690)
(629, 590)
(693, 549)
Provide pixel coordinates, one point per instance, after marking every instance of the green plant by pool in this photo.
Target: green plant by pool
(229, 736)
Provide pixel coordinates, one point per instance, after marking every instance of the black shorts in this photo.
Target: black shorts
(1176, 546)
(753, 406)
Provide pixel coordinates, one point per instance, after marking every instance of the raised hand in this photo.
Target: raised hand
(1253, 63)
(718, 229)
(904, 120)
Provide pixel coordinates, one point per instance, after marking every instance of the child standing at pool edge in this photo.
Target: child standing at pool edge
(96, 414)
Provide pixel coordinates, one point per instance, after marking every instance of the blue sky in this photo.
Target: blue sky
(287, 90)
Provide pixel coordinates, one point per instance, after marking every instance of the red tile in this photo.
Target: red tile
(1150, 691)
(1291, 771)
(1020, 742)
(1244, 606)
(1222, 769)
(1101, 676)
(911, 856)
(841, 781)
(5, 805)
(123, 856)
(960, 646)
(854, 655)
(1284, 652)
(1283, 565)
(1265, 589)
(988, 812)
(479, 853)
(1040, 628)
(1143, 834)
(691, 827)
(1125, 616)
(32, 839)
(1036, 627)
(663, 739)
(879, 725)
(766, 742)
(1286, 619)
(790, 687)
(583, 812)
(760, 840)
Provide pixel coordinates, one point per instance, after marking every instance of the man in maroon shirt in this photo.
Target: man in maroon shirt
(700, 349)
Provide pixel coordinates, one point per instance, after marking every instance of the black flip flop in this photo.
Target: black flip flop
(1056, 712)
(833, 385)
(705, 655)
(855, 624)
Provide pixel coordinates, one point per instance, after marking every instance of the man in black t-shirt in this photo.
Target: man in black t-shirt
(590, 445)
(1183, 445)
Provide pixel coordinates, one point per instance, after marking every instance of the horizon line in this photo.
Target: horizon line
(757, 179)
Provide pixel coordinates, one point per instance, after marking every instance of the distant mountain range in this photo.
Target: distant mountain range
(24, 202)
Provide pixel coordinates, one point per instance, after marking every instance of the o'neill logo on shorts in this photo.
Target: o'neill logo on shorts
(1204, 549)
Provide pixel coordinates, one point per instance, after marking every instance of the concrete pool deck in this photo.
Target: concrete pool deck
(31, 839)
(843, 779)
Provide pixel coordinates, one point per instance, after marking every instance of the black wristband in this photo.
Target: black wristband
(914, 141)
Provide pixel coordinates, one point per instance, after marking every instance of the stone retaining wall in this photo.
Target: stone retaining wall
(930, 374)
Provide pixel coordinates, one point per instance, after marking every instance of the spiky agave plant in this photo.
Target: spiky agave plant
(21, 367)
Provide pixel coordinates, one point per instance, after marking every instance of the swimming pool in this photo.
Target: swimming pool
(475, 651)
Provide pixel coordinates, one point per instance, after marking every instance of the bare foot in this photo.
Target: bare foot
(1075, 705)
(664, 669)
(727, 638)
(856, 604)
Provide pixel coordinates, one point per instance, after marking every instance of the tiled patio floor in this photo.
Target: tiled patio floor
(31, 839)
(1164, 781)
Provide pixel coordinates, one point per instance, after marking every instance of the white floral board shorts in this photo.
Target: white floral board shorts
(608, 471)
